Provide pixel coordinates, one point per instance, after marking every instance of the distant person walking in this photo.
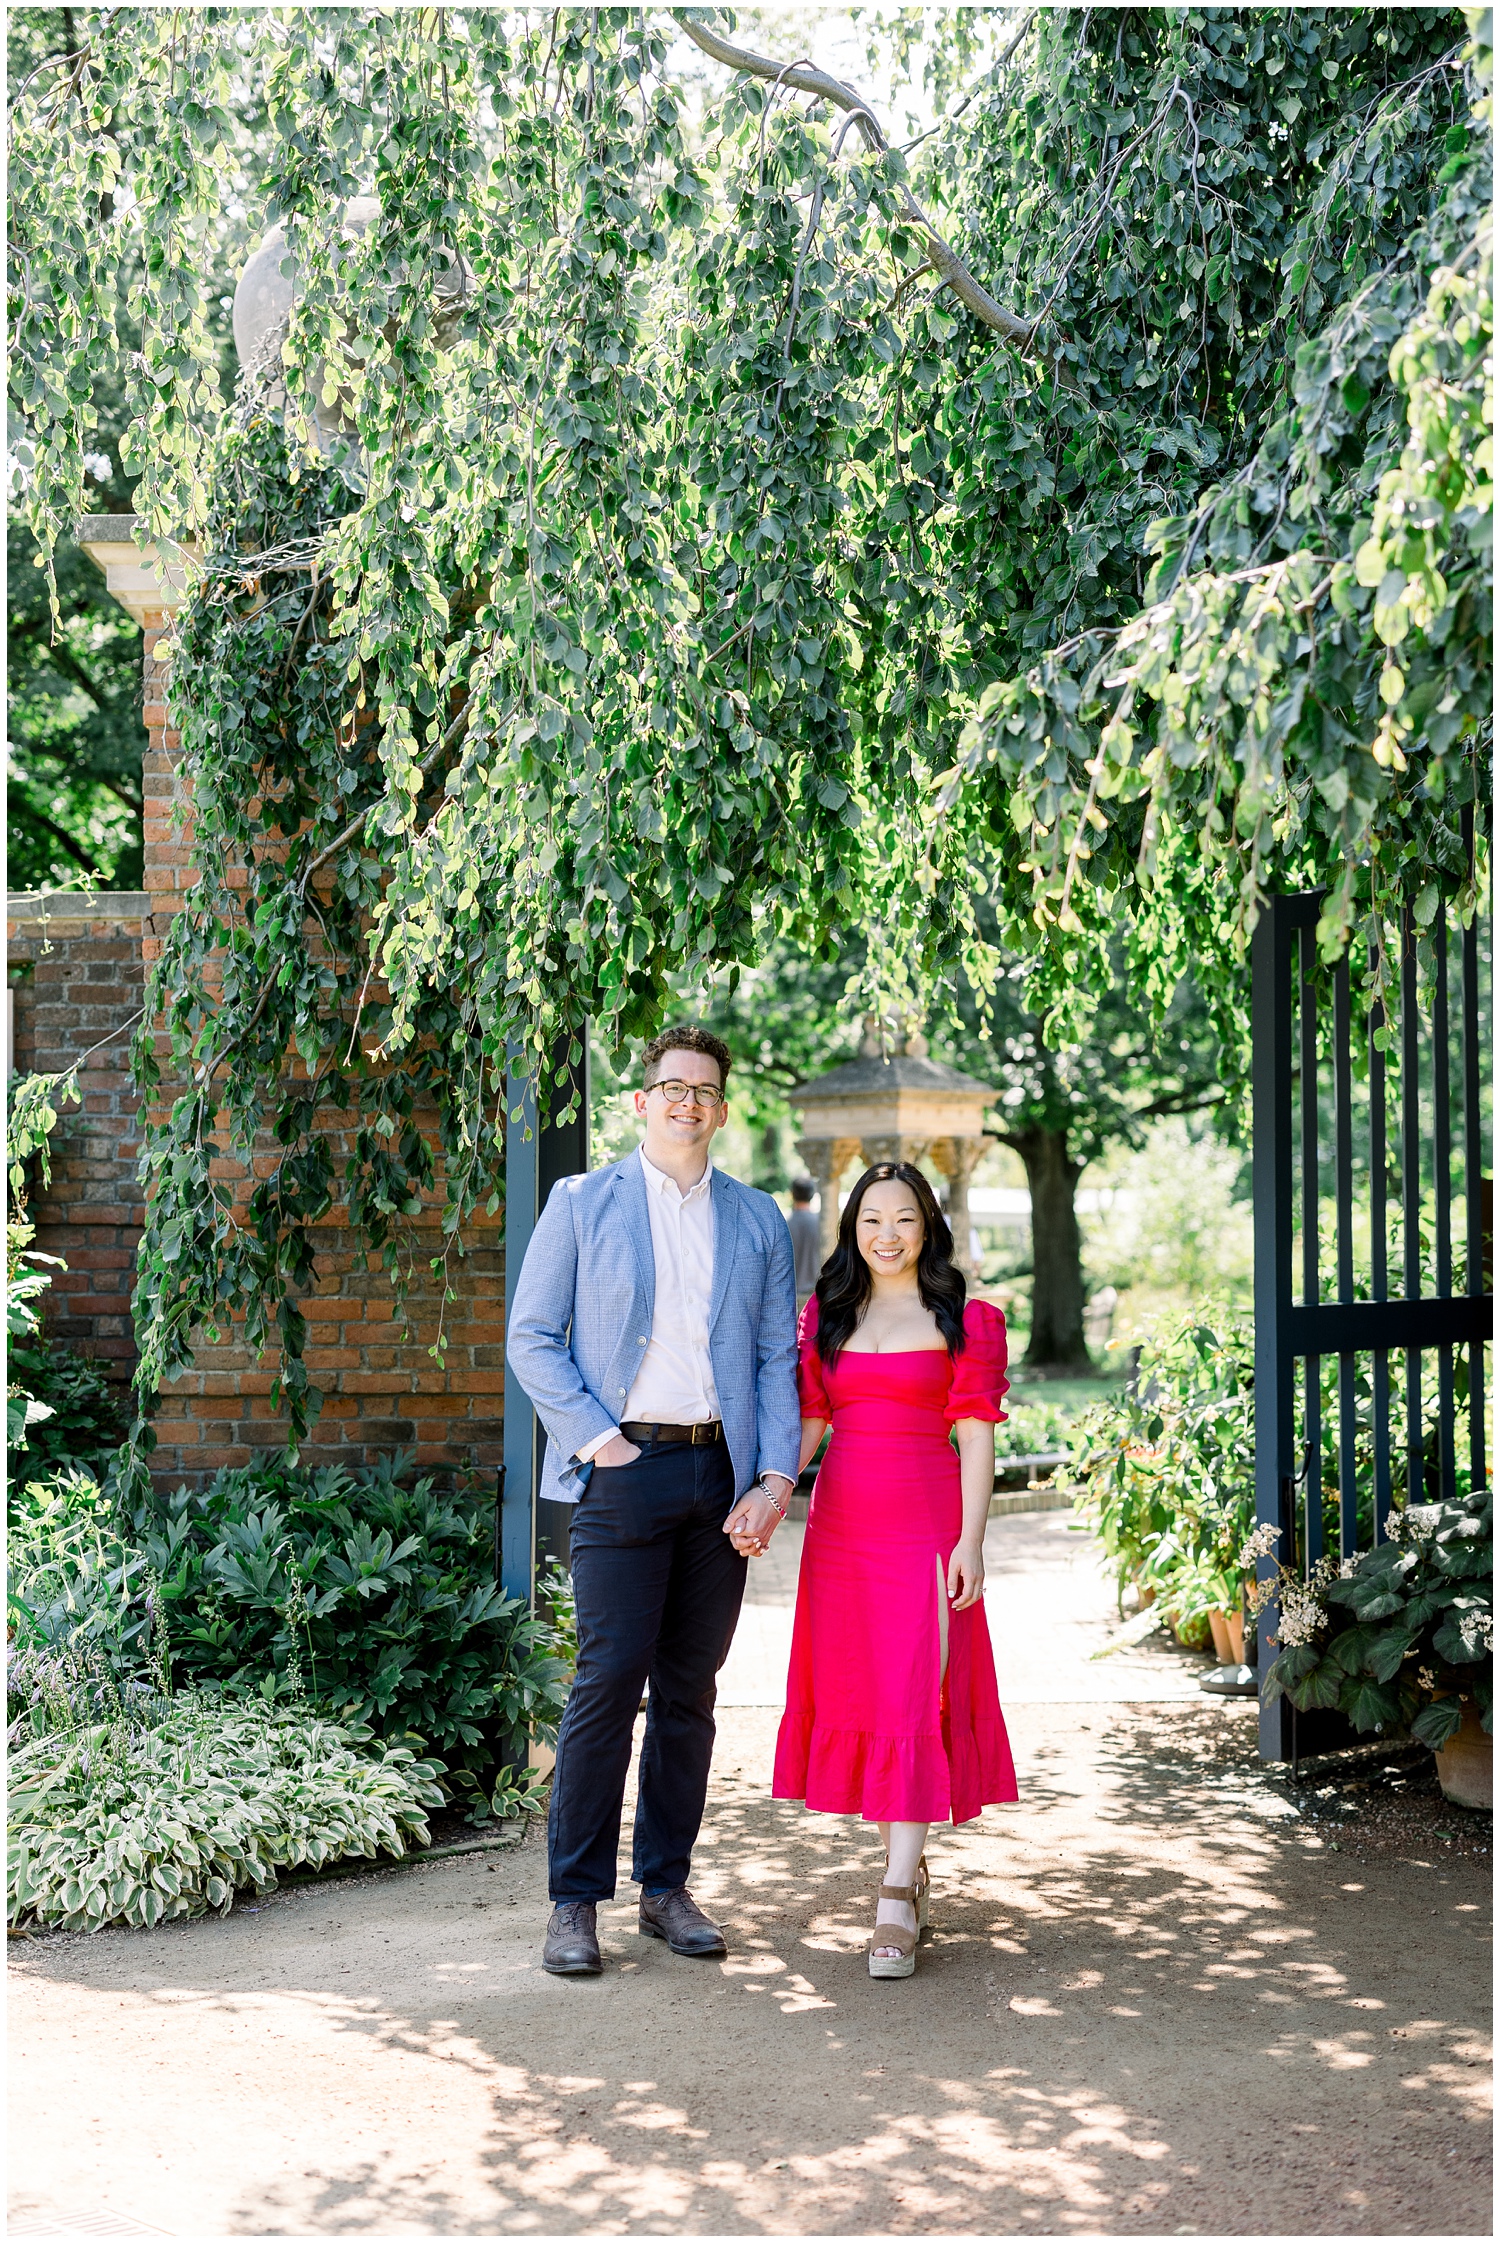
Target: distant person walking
(655, 1332)
(804, 1227)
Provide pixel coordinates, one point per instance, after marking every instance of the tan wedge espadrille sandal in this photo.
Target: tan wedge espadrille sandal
(902, 1964)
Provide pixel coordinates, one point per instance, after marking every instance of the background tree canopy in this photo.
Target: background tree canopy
(1054, 537)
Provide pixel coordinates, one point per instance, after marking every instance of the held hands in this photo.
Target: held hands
(753, 1521)
(966, 1576)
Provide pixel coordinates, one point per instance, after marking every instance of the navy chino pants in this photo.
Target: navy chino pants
(658, 1587)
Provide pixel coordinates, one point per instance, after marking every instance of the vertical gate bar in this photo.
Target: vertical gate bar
(537, 1153)
(1380, 1366)
(1312, 1429)
(1343, 1187)
(1442, 1178)
(1473, 1171)
(563, 1150)
(517, 1509)
(1271, 1162)
(1411, 1194)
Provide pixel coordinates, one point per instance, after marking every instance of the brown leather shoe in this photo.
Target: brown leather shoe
(677, 1918)
(571, 1947)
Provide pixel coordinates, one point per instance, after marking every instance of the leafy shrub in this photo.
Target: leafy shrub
(1172, 1220)
(77, 1594)
(1034, 1429)
(116, 1823)
(1396, 1637)
(59, 1406)
(554, 1596)
(379, 1597)
(83, 1416)
(375, 1599)
(1167, 1471)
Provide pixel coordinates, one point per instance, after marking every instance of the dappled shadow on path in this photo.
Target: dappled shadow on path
(1153, 2004)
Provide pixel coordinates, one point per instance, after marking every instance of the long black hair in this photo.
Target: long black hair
(845, 1282)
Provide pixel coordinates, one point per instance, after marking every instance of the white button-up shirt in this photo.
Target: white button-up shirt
(675, 1382)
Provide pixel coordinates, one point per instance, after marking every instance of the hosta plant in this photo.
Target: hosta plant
(118, 1824)
(1399, 1636)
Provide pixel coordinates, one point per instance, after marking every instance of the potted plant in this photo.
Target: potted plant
(1166, 1477)
(1400, 1636)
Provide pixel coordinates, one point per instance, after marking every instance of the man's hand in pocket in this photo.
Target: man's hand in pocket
(616, 1451)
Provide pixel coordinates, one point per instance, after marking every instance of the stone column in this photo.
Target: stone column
(958, 1157)
(913, 1150)
(827, 1160)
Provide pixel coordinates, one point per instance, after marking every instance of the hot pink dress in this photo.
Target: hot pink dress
(870, 1727)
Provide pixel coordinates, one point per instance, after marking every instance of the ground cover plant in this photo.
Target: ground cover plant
(136, 1821)
(1083, 513)
(280, 1670)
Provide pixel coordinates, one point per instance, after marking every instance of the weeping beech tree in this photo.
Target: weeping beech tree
(646, 541)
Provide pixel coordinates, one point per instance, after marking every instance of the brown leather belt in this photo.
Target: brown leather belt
(699, 1436)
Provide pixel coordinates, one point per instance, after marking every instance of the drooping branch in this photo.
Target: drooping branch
(804, 78)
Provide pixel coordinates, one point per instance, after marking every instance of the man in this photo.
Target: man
(654, 1329)
(803, 1225)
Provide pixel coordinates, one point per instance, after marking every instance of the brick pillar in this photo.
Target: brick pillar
(381, 1386)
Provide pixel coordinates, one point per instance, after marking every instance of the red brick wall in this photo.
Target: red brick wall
(75, 975)
(383, 1389)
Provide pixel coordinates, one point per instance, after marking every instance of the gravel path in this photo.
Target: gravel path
(1165, 1996)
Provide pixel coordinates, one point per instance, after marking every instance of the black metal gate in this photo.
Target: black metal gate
(1369, 1331)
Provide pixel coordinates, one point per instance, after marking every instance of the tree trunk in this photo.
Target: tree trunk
(770, 1178)
(1057, 1345)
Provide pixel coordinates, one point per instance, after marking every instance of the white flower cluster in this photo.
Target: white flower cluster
(1262, 1544)
(1303, 1616)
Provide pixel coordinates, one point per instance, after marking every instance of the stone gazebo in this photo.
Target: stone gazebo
(904, 1107)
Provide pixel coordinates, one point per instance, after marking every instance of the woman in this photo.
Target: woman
(892, 1711)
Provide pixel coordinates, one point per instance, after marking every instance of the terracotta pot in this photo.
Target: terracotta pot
(1194, 1634)
(1218, 1623)
(1235, 1622)
(1466, 1765)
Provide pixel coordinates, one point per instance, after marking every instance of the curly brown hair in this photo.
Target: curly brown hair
(689, 1038)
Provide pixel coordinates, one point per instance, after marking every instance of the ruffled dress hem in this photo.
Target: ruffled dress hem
(899, 1778)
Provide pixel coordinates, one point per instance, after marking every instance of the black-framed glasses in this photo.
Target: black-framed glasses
(702, 1094)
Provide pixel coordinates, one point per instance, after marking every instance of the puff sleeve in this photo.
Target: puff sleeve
(812, 1394)
(979, 1379)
